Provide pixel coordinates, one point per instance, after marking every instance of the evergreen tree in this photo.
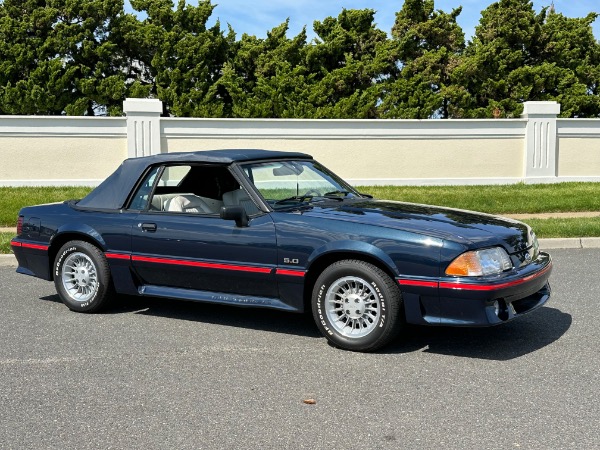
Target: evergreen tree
(571, 55)
(179, 57)
(348, 64)
(429, 44)
(267, 77)
(60, 56)
(518, 56)
(84, 57)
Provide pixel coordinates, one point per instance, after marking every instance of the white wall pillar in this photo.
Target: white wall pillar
(540, 139)
(143, 126)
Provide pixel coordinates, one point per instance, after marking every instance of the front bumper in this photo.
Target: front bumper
(478, 301)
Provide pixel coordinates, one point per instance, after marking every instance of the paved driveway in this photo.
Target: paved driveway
(167, 374)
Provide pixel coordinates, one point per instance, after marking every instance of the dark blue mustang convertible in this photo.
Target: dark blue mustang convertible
(278, 230)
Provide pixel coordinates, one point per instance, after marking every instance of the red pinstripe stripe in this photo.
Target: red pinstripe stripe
(493, 287)
(478, 287)
(182, 262)
(431, 284)
(117, 256)
(473, 287)
(292, 273)
(26, 245)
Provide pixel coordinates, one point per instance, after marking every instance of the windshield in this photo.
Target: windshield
(289, 183)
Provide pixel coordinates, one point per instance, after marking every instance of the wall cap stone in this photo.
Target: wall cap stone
(149, 106)
(540, 108)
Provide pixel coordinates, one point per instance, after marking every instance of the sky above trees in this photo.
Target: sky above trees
(257, 16)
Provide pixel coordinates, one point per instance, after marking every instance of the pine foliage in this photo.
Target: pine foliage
(84, 57)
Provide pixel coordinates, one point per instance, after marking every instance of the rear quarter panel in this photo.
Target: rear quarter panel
(55, 224)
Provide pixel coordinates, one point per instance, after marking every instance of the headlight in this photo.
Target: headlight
(535, 244)
(480, 262)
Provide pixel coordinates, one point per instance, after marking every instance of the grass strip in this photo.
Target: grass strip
(505, 199)
(5, 242)
(13, 199)
(502, 199)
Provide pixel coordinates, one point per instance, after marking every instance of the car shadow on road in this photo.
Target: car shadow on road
(504, 342)
(501, 343)
(250, 318)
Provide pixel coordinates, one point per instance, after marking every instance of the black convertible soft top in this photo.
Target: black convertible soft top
(112, 193)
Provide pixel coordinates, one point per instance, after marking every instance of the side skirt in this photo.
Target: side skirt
(215, 297)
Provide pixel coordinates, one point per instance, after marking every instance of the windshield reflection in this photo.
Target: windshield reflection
(291, 183)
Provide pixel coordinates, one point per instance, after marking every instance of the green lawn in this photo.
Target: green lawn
(503, 199)
(13, 199)
(506, 199)
(5, 242)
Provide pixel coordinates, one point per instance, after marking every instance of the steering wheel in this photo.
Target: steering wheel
(312, 193)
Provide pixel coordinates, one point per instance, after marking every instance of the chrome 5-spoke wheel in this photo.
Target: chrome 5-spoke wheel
(352, 306)
(79, 277)
(357, 306)
(82, 277)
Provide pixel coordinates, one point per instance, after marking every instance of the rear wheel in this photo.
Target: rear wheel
(82, 277)
(357, 306)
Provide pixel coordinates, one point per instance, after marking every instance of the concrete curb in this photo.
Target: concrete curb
(588, 242)
(545, 244)
(8, 261)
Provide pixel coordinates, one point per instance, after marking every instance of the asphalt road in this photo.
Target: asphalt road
(166, 374)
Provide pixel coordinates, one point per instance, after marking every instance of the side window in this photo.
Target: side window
(140, 198)
(182, 189)
(172, 175)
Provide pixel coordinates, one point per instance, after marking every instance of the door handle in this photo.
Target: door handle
(149, 227)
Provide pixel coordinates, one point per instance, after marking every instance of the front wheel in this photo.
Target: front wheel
(357, 306)
(82, 277)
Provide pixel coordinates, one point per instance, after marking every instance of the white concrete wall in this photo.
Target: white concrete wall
(372, 151)
(579, 148)
(536, 148)
(60, 150)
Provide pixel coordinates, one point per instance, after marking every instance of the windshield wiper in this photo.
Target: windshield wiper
(302, 198)
(298, 198)
(335, 193)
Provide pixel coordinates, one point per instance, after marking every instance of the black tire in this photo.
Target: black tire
(377, 317)
(91, 288)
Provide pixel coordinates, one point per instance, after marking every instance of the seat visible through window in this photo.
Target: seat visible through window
(239, 197)
(187, 203)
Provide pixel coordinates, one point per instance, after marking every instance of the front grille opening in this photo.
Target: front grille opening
(525, 304)
(501, 309)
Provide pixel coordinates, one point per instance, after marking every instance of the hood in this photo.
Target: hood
(464, 227)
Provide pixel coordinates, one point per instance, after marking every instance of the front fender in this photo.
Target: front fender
(350, 246)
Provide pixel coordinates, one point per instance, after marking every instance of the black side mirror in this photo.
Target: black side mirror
(236, 213)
